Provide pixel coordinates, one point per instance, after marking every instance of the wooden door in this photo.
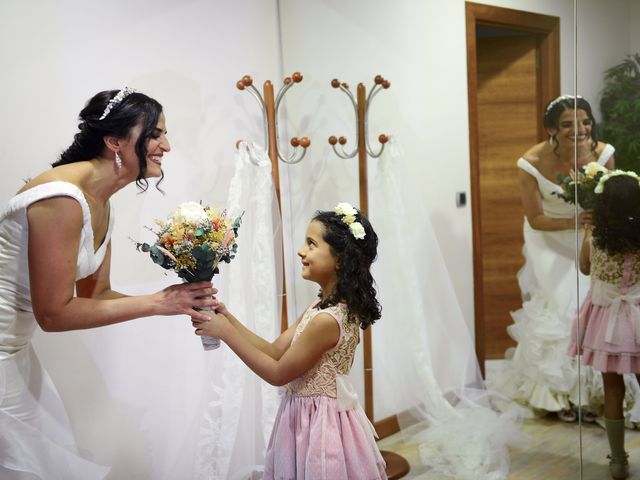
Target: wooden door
(505, 112)
(507, 127)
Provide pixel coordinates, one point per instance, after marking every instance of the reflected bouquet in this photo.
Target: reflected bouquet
(192, 242)
(584, 182)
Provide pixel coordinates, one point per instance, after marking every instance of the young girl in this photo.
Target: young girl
(608, 325)
(321, 431)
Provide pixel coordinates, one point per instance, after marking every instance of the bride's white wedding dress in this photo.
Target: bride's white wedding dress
(36, 440)
(539, 373)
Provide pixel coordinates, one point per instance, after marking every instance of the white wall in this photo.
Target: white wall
(188, 55)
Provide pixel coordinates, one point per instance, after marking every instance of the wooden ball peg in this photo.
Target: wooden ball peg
(240, 85)
(287, 80)
(247, 80)
(295, 142)
(342, 140)
(297, 77)
(378, 79)
(305, 142)
(386, 84)
(333, 140)
(383, 139)
(335, 83)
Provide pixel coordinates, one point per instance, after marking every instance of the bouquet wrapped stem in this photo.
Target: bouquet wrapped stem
(192, 242)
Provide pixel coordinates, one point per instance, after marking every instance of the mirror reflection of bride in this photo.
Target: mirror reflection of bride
(539, 374)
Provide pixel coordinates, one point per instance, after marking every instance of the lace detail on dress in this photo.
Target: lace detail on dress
(610, 268)
(321, 379)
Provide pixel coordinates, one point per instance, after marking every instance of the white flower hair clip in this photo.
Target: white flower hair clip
(120, 96)
(348, 214)
(614, 173)
(560, 99)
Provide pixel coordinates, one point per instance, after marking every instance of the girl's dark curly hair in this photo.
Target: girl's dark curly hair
(616, 216)
(553, 110)
(355, 285)
(136, 108)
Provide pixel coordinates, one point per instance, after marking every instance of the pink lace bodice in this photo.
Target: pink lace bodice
(321, 379)
(621, 270)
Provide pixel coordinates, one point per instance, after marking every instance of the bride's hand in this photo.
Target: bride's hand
(181, 298)
(585, 218)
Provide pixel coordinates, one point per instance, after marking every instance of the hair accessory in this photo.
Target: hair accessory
(348, 214)
(120, 96)
(614, 173)
(118, 161)
(560, 99)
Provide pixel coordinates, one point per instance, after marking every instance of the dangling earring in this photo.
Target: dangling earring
(118, 161)
(552, 139)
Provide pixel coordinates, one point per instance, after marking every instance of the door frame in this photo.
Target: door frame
(547, 29)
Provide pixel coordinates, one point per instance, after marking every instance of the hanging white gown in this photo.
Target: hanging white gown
(424, 363)
(539, 373)
(239, 408)
(36, 440)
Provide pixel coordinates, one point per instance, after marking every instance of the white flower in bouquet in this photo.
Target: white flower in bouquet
(591, 169)
(190, 212)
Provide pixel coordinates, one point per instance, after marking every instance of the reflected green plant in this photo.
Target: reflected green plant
(620, 108)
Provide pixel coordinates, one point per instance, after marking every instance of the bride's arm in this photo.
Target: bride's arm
(98, 285)
(532, 203)
(55, 227)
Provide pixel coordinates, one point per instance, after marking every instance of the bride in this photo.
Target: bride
(539, 374)
(55, 237)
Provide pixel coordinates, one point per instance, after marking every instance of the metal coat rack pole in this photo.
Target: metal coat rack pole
(269, 105)
(397, 466)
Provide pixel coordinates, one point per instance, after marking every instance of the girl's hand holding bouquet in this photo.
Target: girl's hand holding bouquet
(192, 242)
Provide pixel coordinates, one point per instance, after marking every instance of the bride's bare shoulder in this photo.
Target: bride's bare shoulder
(65, 173)
(538, 153)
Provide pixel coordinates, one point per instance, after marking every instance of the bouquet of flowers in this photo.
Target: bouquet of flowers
(192, 242)
(586, 179)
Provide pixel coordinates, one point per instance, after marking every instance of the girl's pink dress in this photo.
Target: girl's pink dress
(321, 431)
(609, 320)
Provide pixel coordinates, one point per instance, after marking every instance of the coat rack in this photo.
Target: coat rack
(269, 106)
(397, 466)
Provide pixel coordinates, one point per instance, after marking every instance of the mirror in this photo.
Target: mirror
(607, 39)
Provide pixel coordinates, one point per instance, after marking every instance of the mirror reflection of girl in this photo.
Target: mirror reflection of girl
(539, 375)
(320, 430)
(609, 319)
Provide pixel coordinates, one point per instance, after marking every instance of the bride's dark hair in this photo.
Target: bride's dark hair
(616, 215)
(355, 285)
(136, 108)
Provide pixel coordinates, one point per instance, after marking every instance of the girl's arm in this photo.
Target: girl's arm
(321, 334)
(274, 349)
(55, 227)
(585, 253)
(532, 203)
